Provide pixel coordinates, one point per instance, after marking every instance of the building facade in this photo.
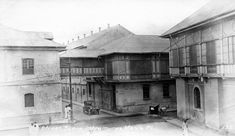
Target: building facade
(136, 81)
(202, 61)
(30, 77)
(127, 74)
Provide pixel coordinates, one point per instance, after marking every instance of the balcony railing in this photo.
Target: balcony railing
(227, 70)
(82, 71)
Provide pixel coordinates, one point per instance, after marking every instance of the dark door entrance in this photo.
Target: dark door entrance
(114, 96)
(107, 99)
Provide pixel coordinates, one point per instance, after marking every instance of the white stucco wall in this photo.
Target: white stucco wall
(44, 83)
(47, 99)
(45, 63)
(181, 98)
(228, 104)
(211, 93)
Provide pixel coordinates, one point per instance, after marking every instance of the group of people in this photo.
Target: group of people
(67, 112)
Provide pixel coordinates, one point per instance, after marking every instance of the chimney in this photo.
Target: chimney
(84, 35)
(72, 39)
(78, 37)
(99, 29)
(108, 26)
(91, 32)
(68, 42)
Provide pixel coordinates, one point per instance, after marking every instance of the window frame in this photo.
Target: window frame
(197, 102)
(146, 91)
(27, 100)
(27, 66)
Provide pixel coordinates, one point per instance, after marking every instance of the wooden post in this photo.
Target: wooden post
(70, 89)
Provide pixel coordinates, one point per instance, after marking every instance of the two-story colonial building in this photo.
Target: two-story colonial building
(83, 56)
(132, 72)
(30, 76)
(202, 61)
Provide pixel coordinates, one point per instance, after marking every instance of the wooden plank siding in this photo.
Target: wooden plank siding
(136, 66)
(205, 51)
(123, 67)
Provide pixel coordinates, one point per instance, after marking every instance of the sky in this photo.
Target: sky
(67, 19)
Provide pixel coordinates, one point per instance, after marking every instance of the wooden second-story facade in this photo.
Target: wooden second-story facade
(207, 51)
(82, 67)
(136, 67)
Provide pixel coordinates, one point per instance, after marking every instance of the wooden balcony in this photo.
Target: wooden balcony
(82, 71)
(137, 77)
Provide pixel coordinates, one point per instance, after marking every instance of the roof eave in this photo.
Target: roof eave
(216, 18)
(132, 53)
(58, 48)
(78, 57)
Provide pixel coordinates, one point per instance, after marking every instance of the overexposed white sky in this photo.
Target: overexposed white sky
(67, 19)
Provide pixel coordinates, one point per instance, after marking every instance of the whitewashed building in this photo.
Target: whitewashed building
(29, 79)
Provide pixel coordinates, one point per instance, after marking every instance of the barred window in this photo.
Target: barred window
(28, 66)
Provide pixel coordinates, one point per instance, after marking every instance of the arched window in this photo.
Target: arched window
(29, 100)
(197, 98)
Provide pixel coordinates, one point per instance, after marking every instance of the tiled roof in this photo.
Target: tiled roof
(99, 39)
(137, 44)
(10, 37)
(211, 10)
(128, 44)
(116, 40)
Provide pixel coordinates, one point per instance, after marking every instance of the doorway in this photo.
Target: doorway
(114, 97)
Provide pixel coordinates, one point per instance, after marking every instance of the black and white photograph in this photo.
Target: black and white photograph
(117, 67)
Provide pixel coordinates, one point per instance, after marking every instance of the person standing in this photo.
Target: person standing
(185, 127)
(69, 112)
(66, 112)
